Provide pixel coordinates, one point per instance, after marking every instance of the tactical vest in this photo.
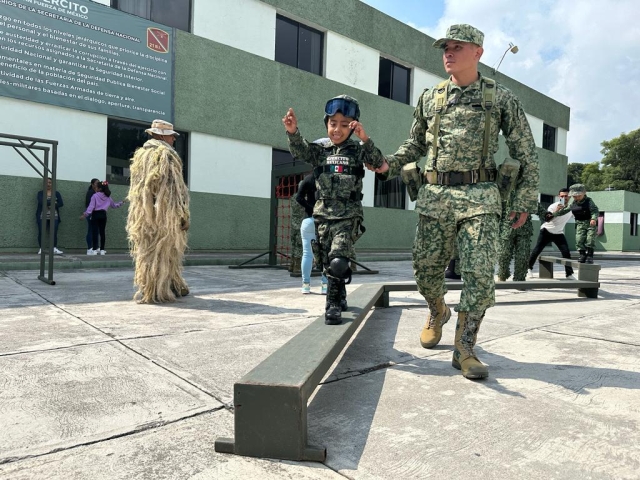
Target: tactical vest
(487, 102)
(339, 178)
(581, 211)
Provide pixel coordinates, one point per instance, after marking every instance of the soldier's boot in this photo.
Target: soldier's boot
(295, 265)
(583, 256)
(450, 272)
(589, 255)
(439, 314)
(464, 358)
(333, 312)
(343, 296)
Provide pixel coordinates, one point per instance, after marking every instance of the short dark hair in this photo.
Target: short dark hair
(564, 190)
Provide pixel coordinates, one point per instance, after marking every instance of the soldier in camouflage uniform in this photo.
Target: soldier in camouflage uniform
(460, 200)
(339, 169)
(585, 211)
(297, 215)
(514, 243)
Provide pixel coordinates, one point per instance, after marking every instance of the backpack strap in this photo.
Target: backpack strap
(488, 101)
(441, 100)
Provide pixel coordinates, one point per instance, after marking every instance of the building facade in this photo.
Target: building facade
(236, 68)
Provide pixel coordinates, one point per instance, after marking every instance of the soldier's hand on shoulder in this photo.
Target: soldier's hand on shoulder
(358, 129)
(290, 121)
(381, 169)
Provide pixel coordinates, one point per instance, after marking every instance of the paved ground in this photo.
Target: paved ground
(94, 386)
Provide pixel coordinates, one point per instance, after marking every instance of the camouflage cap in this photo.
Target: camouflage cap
(577, 189)
(461, 33)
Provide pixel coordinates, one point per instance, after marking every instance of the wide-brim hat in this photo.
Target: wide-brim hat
(577, 189)
(461, 33)
(160, 127)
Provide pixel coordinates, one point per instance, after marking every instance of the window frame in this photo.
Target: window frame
(115, 5)
(633, 224)
(393, 65)
(546, 140)
(307, 28)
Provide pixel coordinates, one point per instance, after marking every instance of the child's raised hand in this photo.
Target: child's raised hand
(290, 121)
(358, 129)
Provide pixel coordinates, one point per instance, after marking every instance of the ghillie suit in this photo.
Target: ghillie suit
(157, 223)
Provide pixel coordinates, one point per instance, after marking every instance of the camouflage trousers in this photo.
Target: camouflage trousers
(337, 237)
(516, 244)
(434, 245)
(585, 234)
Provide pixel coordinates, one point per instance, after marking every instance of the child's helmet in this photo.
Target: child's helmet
(344, 104)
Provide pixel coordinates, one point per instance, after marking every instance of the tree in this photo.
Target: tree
(574, 173)
(622, 161)
(592, 177)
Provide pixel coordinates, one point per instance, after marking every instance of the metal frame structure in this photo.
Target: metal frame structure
(31, 145)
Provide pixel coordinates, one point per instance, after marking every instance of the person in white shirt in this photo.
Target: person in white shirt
(553, 231)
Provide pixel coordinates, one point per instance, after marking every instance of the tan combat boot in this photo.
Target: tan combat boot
(466, 335)
(439, 314)
(297, 261)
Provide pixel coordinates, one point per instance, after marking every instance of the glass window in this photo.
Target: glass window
(546, 200)
(298, 45)
(283, 159)
(549, 137)
(634, 224)
(173, 13)
(394, 81)
(390, 194)
(123, 138)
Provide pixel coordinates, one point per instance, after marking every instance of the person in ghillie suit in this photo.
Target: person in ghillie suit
(158, 217)
(339, 170)
(585, 211)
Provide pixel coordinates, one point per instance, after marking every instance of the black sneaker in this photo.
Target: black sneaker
(333, 315)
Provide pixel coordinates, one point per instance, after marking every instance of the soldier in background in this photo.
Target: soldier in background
(297, 215)
(585, 211)
(456, 125)
(515, 243)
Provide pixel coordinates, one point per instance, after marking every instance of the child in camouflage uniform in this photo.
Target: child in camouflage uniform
(585, 211)
(339, 169)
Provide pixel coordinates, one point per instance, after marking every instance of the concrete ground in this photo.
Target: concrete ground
(94, 386)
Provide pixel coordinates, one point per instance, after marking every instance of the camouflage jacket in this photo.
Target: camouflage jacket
(460, 142)
(583, 210)
(338, 194)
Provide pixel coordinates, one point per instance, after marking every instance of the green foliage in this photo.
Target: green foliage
(618, 170)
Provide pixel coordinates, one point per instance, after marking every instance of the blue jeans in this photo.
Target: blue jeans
(308, 233)
(89, 237)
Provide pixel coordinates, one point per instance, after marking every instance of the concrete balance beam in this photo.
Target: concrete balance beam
(270, 401)
(587, 272)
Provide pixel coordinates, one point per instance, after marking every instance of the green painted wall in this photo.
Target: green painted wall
(553, 171)
(377, 30)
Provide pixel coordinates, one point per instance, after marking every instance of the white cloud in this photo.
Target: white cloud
(583, 53)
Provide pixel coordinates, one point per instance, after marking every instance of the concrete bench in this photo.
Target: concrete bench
(270, 401)
(588, 273)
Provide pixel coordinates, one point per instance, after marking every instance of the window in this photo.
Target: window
(172, 13)
(390, 194)
(634, 224)
(546, 200)
(123, 138)
(298, 45)
(282, 159)
(549, 137)
(394, 81)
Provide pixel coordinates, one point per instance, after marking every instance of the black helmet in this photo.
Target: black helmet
(344, 104)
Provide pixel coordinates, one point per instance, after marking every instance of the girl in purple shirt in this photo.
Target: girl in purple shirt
(101, 201)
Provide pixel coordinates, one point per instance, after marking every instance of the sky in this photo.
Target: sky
(582, 53)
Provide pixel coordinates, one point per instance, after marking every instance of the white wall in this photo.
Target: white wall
(81, 136)
(248, 25)
(561, 141)
(536, 129)
(421, 79)
(351, 63)
(103, 2)
(233, 167)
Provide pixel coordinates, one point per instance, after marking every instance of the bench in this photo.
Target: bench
(270, 402)
(588, 273)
